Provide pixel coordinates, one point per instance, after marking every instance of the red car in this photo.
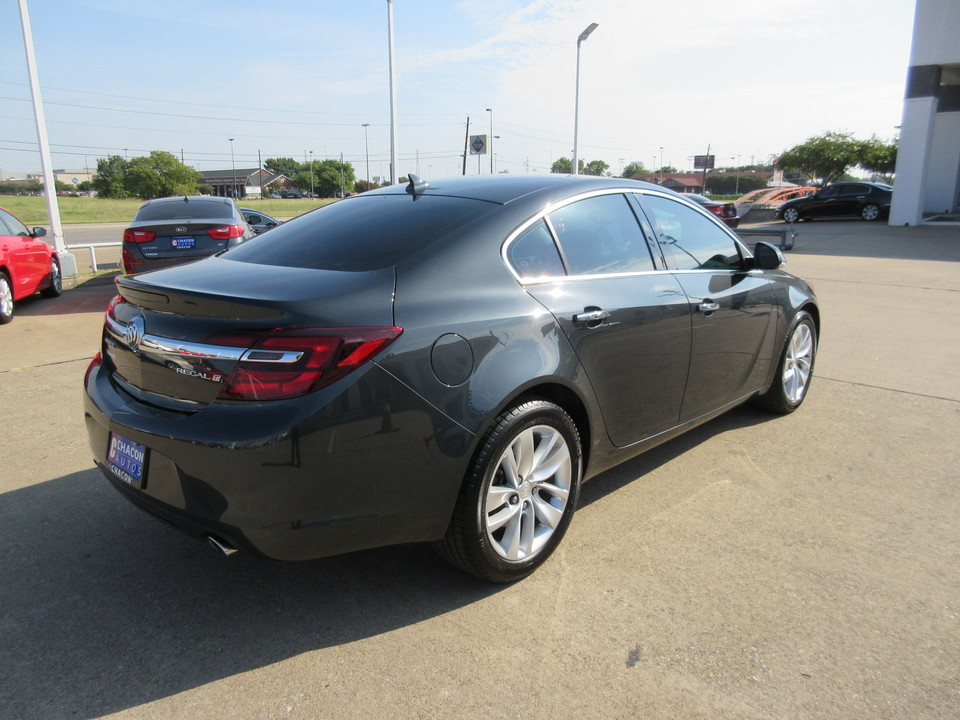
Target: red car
(723, 210)
(27, 264)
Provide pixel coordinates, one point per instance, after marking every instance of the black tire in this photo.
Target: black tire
(505, 525)
(6, 299)
(56, 281)
(791, 215)
(795, 369)
(870, 212)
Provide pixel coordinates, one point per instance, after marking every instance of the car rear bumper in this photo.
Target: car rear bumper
(368, 464)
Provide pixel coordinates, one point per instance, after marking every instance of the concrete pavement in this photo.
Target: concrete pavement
(758, 567)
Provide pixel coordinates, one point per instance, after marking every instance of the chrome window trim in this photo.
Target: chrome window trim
(542, 215)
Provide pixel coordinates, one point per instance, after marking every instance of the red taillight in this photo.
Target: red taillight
(94, 364)
(226, 232)
(716, 210)
(131, 263)
(138, 236)
(286, 364)
(111, 307)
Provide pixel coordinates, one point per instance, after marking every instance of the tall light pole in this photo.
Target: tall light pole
(393, 99)
(311, 173)
(233, 166)
(490, 141)
(576, 102)
(68, 266)
(736, 190)
(366, 150)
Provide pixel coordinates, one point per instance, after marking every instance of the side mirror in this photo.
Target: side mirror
(767, 256)
(39, 232)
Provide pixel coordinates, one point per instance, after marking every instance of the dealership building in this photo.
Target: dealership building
(928, 160)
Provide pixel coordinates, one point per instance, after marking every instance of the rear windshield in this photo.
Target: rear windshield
(362, 233)
(195, 209)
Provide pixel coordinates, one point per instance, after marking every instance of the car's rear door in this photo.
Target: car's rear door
(627, 320)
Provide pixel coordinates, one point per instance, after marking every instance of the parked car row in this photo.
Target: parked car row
(443, 362)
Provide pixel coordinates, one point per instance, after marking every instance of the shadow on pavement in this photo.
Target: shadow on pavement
(107, 609)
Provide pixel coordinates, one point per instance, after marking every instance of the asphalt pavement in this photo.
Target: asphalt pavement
(758, 567)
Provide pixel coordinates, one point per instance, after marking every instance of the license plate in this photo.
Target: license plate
(125, 459)
(181, 243)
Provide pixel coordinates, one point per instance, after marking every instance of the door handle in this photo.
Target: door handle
(588, 317)
(708, 307)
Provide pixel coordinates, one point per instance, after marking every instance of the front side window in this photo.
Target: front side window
(601, 235)
(690, 240)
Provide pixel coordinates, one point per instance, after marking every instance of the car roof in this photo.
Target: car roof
(503, 189)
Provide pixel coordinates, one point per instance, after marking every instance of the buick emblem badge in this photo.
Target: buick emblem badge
(133, 333)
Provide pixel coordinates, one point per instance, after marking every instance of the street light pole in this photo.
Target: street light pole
(311, 173)
(394, 174)
(576, 102)
(366, 150)
(233, 166)
(490, 142)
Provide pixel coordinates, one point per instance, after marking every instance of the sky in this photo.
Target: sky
(660, 80)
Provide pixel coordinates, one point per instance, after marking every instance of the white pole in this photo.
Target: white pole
(68, 265)
(576, 102)
(393, 99)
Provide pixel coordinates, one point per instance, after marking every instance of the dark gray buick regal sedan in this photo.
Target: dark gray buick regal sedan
(441, 362)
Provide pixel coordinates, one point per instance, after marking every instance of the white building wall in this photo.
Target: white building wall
(940, 185)
(928, 161)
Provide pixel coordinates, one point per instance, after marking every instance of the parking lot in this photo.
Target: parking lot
(758, 567)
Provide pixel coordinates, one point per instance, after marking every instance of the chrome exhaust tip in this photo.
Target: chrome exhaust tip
(221, 545)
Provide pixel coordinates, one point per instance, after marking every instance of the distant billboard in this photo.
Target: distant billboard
(704, 162)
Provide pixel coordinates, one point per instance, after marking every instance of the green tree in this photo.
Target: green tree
(635, 169)
(110, 179)
(332, 176)
(666, 169)
(160, 174)
(564, 166)
(880, 157)
(826, 156)
(596, 167)
(284, 166)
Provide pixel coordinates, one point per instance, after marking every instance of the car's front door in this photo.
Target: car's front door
(28, 255)
(733, 310)
(628, 322)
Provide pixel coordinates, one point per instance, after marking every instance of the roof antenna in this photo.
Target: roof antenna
(416, 186)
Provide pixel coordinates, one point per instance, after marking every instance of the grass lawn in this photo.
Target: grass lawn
(76, 210)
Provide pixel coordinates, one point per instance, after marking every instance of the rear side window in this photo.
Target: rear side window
(690, 240)
(533, 253)
(197, 209)
(362, 233)
(601, 235)
(15, 227)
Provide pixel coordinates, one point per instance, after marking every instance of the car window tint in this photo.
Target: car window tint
(363, 232)
(690, 240)
(191, 210)
(601, 235)
(829, 191)
(12, 226)
(534, 254)
(254, 219)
